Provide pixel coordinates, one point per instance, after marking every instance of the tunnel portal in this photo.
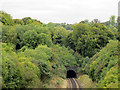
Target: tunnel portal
(71, 74)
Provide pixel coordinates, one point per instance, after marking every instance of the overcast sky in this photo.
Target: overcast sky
(69, 11)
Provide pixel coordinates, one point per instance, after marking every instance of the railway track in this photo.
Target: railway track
(73, 83)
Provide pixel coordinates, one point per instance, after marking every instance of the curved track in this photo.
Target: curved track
(73, 83)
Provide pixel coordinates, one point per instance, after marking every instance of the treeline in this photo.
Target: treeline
(6, 19)
(33, 52)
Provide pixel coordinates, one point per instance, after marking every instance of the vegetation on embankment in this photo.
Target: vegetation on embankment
(103, 66)
(86, 82)
(56, 82)
(34, 52)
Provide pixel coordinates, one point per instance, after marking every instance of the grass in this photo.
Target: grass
(86, 82)
(57, 82)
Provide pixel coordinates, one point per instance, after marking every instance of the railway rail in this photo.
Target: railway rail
(73, 83)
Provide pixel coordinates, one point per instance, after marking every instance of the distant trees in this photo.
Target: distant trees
(87, 40)
(85, 21)
(64, 25)
(26, 36)
(18, 21)
(118, 26)
(27, 20)
(112, 20)
(96, 21)
(5, 18)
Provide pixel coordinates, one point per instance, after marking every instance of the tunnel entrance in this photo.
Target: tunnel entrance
(71, 74)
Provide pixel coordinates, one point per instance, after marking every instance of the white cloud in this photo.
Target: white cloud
(69, 11)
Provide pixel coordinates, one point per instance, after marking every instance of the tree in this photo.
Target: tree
(118, 26)
(9, 34)
(30, 39)
(18, 21)
(88, 40)
(61, 35)
(18, 71)
(96, 21)
(5, 18)
(85, 21)
(27, 20)
(112, 20)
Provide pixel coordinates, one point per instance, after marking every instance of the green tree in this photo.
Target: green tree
(88, 40)
(112, 20)
(5, 18)
(27, 20)
(9, 34)
(18, 72)
(42, 58)
(118, 26)
(30, 38)
(18, 21)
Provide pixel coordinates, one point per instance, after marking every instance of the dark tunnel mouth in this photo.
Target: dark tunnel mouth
(71, 74)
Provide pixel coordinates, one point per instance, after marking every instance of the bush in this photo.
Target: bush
(18, 71)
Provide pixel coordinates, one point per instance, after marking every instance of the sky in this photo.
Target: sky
(60, 11)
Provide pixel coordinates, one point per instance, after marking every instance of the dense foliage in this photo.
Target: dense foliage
(100, 67)
(33, 66)
(18, 71)
(87, 40)
(34, 52)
